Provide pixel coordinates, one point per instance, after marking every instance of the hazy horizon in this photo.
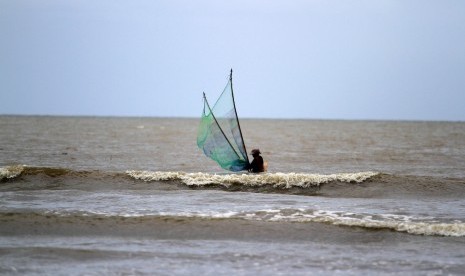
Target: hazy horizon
(240, 118)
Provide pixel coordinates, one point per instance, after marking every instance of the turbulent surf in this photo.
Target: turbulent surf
(136, 196)
(276, 180)
(368, 185)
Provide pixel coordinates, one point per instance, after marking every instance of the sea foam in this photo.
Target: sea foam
(10, 172)
(411, 225)
(277, 180)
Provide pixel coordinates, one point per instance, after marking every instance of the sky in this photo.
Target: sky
(315, 59)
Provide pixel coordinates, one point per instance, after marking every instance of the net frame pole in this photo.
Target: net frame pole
(237, 118)
(222, 132)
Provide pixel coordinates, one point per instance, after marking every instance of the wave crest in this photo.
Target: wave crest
(277, 180)
(10, 172)
(397, 223)
(416, 226)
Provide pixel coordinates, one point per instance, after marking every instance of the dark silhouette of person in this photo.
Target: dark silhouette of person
(257, 164)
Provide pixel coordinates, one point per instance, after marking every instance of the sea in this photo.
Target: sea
(136, 196)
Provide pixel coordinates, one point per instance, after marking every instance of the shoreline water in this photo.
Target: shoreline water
(136, 196)
(357, 184)
(346, 186)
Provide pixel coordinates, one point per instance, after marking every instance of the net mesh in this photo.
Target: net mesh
(219, 135)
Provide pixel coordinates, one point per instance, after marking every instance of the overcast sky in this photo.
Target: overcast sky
(314, 59)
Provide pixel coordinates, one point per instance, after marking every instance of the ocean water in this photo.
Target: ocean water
(135, 196)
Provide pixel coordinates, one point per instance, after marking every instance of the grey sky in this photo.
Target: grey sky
(291, 59)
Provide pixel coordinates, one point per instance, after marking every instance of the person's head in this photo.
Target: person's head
(255, 152)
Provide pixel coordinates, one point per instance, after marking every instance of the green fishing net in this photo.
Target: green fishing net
(219, 134)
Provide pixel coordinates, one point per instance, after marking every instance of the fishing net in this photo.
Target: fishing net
(219, 134)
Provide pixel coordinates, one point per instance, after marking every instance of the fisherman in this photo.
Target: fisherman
(257, 164)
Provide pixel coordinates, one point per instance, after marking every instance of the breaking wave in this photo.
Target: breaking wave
(417, 226)
(10, 172)
(397, 223)
(388, 185)
(369, 184)
(276, 180)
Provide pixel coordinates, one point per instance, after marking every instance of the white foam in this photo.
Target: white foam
(417, 226)
(155, 176)
(278, 180)
(404, 225)
(398, 223)
(10, 172)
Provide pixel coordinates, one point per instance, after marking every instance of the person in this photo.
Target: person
(257, 164)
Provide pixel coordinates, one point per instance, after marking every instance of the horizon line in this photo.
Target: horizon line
(242, 118)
